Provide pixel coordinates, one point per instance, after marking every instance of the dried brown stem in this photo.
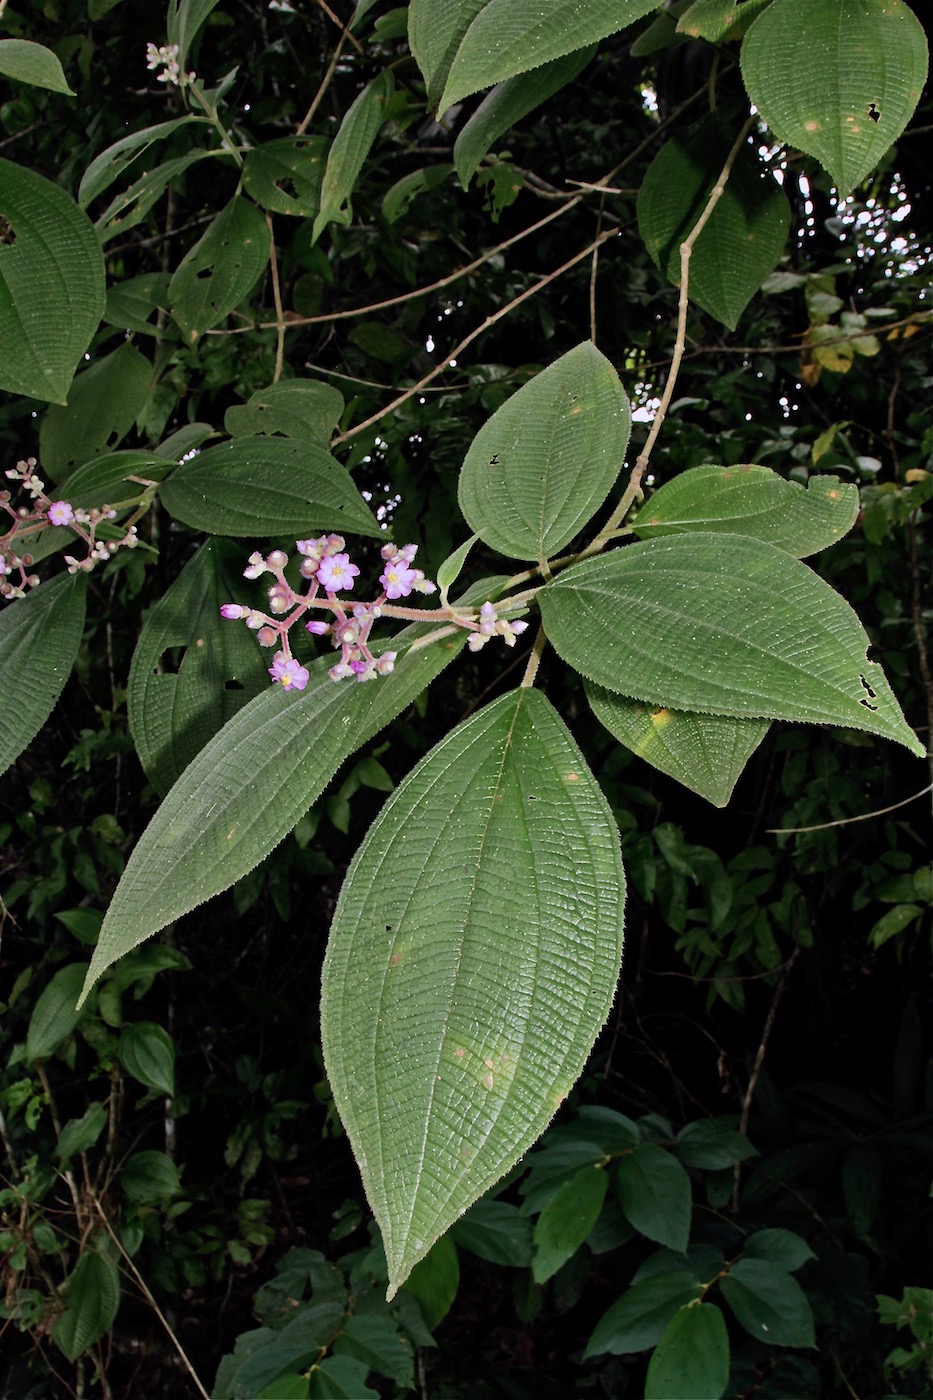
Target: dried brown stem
(473, 335)
(147, 1294)
(277, 302)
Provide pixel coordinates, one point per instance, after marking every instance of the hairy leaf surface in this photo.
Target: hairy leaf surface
(247, 788)
(746, 232)
(175, 709)
(546, 460)
(754, 501)
(840, 82)
(39, 639)
(720, 624)
(707, 753)
(51, 285)
(472, 961)
(266, 486)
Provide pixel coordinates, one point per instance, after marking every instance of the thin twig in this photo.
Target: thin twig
(473, 335)
(294, 322)
(147, 1294)
(56, 1124)
(633, 489)
(308, 117)
(847, 821)
(277, 302)
(442, 282)
(594, 267)
(757, 1067)
(534, 660)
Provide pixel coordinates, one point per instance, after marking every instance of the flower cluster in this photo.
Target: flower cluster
(328, 570)
(166, 56)
(30, 521)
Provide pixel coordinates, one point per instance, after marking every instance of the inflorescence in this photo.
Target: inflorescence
(44, 512)
(329, 571)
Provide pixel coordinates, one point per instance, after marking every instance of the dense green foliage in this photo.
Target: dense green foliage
(301, 291)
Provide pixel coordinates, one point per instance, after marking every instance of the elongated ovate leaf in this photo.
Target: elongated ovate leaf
(220, 270)
(513, 36)
(754, 501)
(298, 408)
(131, 205)
(351, 147)
(691, 1361)
(840, 82)
(717, 20)
(508, 102)
(175, 709)
(746, 232)
(706, 753)
(547, 459)
(92, 1297)
(110, 163)
(32, 63)
(247, 788)
(267, 486)
(285, 175)
(39, 639)
(51, 285)
(472, 961)
(103, 403)
(435, 31)
(721, 625)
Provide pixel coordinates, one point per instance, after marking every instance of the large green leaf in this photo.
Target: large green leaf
(840, 81)
(147, 1052)
(297, 408)
(717, 20)
(220, 270)
(463, 46)
(131, 205)
(266, 486)
(92, 1297)
(637, 1319)
(51, 285)
(39, 639)
(746, 232)
(755, 501)
(691, 1360)
(655, 1196)
(350, 149)
(110, 163)
(55, 1014)
(285, 175)
(567, 1220)
(769, 1303)
(472, 961)
(27, 62)
(183, 21)
(174, 709)
(247, 788)
(546, 460)
(707, 753)
(103, 404)
(508, 102)
(721, 624)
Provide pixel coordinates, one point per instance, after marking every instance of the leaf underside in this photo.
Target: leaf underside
(472, 962)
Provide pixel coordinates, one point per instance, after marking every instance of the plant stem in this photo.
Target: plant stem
(473, 335)
(686, 250)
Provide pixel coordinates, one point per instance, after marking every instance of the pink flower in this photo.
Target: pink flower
(233, 612)
(290, 673)
(317, 629)
(336, 572)
(60, 513)
(398, 579)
